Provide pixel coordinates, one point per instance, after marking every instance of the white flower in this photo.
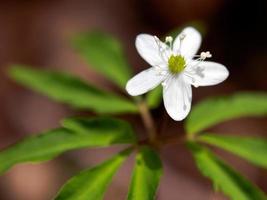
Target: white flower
(175, 65)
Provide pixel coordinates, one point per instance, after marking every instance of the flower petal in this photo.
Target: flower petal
(144, 81)
(190, 44)
(205, 73)
(149, 49)
(177, 97)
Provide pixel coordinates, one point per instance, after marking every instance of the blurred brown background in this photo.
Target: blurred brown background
(36, 33)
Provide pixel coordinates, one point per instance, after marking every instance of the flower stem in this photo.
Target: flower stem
(148, 121)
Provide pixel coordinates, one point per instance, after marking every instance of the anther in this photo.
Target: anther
(205, 55)
(168, 39)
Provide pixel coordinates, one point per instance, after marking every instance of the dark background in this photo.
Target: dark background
(36, 33)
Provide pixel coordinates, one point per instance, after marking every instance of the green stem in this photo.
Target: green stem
(148, 121)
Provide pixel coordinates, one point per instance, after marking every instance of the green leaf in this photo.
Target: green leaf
(250, 148)
(68, 89)
(219, 109)
(154, 97)
(91, 184)
(146, 175)
(224, 178)
(105, 55)
(99, 132)
(102, 131)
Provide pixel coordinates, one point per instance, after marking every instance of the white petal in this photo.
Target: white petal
(144, 81)
(149, 49)
(177, 97)
(190, 44)
(205, 73)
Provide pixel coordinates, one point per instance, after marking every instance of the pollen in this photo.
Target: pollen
(176, 64)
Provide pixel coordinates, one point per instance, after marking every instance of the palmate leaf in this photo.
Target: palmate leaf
(250, 148)
(71, 90)
(91, 184)
(224, 178)
(97, 132)
(219, 109)
(105, 55)
(146, 175)
(102, 130)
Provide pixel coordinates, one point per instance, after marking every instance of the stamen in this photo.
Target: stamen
(205, 55)
(162, 50)
(196, 69)
(181, 38)
(168, 39)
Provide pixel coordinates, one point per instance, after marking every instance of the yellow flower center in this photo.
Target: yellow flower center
(176, 64)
